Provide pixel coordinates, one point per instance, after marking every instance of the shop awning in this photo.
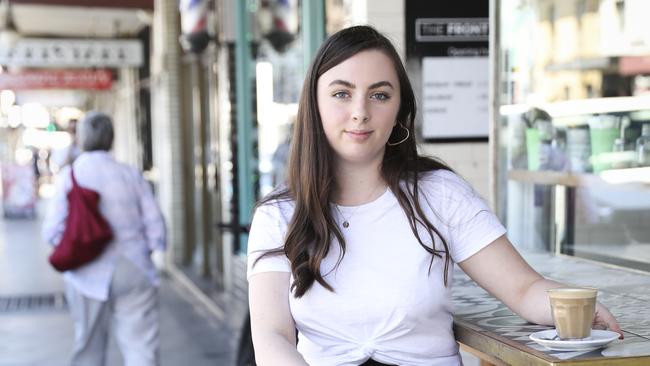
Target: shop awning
(68, 79)
(606, 64)
(634, 65)
(126, 4)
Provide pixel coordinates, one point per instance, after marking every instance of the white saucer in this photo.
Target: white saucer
(549, 339)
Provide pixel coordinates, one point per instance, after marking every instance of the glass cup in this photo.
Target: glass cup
(573, 310)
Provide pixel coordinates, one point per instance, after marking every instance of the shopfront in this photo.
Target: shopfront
(572, 89)
(242, 68)
(46, 85)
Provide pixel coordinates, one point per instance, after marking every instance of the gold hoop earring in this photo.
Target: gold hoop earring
(408, 134)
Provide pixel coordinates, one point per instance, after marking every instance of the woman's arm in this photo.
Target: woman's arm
(272, 326)
(155, 230)
(501, 271)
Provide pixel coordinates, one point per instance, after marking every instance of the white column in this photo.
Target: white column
(167, 130)
(125, 101)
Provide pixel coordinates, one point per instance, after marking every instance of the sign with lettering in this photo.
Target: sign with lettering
(43, 52)
(455, 102)
(451, 30)
(68, 79)
(449, 42)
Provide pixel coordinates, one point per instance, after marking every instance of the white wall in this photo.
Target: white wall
(388, 17)
(470, 160)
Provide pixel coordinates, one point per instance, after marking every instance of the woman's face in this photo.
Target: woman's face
(358, 101)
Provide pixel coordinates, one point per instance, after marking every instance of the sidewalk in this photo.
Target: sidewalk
(36, 330)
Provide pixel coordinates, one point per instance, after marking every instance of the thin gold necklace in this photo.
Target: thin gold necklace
(346, 220)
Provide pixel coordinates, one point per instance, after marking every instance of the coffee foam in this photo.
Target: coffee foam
(572, 293)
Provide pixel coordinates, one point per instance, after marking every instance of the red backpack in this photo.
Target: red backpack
(86, 231)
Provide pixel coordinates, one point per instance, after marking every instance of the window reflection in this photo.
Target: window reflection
(575, 127)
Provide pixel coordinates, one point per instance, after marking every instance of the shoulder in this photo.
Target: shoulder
(278, 210)
(438, 176)
(90, 160)
(269, 225)
(132, 171)
(446, 183)
(103, 169)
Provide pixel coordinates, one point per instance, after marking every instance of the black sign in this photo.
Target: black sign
(447, 28)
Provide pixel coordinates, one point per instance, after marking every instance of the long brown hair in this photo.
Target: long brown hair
(310, 178)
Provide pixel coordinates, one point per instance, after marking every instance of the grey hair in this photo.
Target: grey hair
(95, 132)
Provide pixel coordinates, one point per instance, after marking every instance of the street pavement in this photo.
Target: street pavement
(36, 329)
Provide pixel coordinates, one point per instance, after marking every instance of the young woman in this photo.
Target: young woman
(356, 251)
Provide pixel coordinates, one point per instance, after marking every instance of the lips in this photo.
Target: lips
(359, 135)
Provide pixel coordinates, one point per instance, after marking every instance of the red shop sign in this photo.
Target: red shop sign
(68, 79)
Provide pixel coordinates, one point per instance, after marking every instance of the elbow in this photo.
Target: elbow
(275, 348)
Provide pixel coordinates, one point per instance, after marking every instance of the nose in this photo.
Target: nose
(360, 112)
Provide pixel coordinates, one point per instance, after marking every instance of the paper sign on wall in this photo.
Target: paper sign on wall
(454, 97)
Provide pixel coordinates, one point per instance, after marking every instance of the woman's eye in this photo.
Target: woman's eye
(380, 96)
(340, 94)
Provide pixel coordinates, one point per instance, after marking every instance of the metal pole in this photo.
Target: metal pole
(244, 123)
(313, 29)
(494, 96)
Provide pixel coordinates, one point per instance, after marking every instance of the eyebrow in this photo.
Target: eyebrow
(352, 86)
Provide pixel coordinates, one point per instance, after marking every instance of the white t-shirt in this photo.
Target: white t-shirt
(385, 305)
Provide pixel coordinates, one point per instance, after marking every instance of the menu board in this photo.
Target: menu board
(454, 97)
(447, 47)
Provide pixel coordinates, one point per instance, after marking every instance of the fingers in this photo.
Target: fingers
(600, 326)
(606, 319)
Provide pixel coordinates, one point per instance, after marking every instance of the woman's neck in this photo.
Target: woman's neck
(358, 185)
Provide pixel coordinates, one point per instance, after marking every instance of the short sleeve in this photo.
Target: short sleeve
(267, 233)
(471, 223)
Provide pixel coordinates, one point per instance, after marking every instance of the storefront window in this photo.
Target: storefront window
(279, 77)
(278, 66)
(574, 94)
(338, 15)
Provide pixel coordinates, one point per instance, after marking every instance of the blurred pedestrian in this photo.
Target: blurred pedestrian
(66, 155)
(280, 158)
(356, 251)
(119, 288)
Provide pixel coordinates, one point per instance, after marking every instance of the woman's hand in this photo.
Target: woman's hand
(605, 320)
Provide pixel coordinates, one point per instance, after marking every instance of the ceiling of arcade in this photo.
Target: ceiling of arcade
(80, 18)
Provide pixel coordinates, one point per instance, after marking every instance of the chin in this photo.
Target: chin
(361, 159)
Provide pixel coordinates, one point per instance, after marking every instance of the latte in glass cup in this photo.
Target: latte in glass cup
(573, 310)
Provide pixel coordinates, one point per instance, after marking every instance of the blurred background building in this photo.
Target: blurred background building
(539, 104)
